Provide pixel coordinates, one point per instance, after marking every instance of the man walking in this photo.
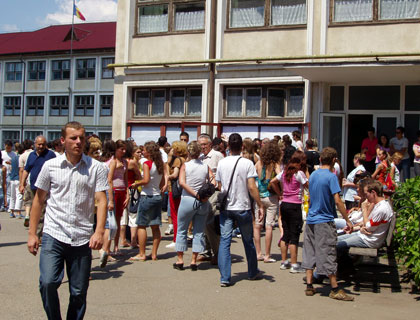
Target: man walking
(71, 181)
(238, 208)
(320, 232)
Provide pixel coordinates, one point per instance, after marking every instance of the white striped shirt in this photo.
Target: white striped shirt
(70, 204)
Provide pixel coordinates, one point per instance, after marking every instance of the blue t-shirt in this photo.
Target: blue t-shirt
(323, 184)
(35, 163)
(14, 173)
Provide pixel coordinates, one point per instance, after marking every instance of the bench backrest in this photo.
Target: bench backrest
(391, 228)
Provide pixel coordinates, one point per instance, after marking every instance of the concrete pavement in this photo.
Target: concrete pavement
(154, 290)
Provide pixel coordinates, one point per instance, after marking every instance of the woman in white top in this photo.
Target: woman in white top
(192, 176)
(149, 212)
(350, 188)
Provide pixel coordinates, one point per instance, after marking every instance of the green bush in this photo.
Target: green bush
(406, 201)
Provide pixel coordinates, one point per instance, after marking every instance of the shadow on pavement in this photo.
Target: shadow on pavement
(11, 244)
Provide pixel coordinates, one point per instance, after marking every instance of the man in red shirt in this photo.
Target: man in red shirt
(369, 149)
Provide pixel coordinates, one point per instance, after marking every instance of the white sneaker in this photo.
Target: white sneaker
(103, 258)
(171, 245)
(296, 268)
(285, 265)
(169, 230)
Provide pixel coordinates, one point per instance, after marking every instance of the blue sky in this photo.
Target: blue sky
(29, 15)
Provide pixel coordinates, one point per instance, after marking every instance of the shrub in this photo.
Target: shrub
(406, 201)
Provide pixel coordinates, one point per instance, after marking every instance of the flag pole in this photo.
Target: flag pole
(71, 58)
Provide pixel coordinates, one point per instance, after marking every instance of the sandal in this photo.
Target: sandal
(137, 258)
(340, 295)
(260, 258)
(269, 260)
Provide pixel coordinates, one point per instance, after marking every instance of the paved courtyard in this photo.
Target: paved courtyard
(154, 290)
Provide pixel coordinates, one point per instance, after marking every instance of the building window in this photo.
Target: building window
(12, 106)
(13, 71)
(36, 70)
(85, 68)
(107, 73)
(60, 69)
(264, 102)
(104, 135)
(35, 106)
(31, 135)
(59, 106)
(106, 105)
(175, 102)
(163, 16)
(53, 135)
(336, 98)
(260, 13)
(412, 98)
(374, 97)
(13, 136)
(370, 10)
(84, 106)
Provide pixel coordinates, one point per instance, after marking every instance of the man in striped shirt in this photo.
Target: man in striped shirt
(69, 184)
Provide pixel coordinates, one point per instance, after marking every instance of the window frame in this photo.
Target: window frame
(16, 109)
(60, 70)
(171, 16)
(85, 69)
(267, 20)
(14, 72)
(106, 105)
(264, 102)
(167, 104)
(38, 108)
(84, 106)
(375, 17)
(60, 106)
(38, 71)
(105, 69)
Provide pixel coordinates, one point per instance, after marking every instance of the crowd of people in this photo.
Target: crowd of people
(212, 190)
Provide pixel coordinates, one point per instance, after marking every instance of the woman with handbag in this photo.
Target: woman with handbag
(193, 175)
(267, 168)
(153, 182)
(175, 161)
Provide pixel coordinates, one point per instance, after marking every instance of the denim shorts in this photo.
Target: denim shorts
(150, 211)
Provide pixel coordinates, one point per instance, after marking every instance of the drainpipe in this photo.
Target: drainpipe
(22, 111)
(212, 65)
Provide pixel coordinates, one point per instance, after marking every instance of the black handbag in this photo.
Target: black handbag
(133, 204)
(206, 190)
(221, 202)
(176, 189)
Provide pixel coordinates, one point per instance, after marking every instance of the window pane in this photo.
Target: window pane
(275, 103)
(253, 102)
(194, 102)
(246, 13)
(79, 111)
(398, 9)
(355, 10)
(374, 98)
(295, 103)
(285, 12)
(153, 18)
(158, 102)
(89, 111)
(234, 102)
(412, 98)
(189, 16)
(18, 67)
(336, 98)
(177, 102)
(142, 103)
(54, 111)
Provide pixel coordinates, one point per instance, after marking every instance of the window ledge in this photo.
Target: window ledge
(167, 33)
(333, 24)
(266, 28)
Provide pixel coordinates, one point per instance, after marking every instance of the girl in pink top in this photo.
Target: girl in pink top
(292, 180)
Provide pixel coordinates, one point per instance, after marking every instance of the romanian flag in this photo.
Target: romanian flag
(77, 13)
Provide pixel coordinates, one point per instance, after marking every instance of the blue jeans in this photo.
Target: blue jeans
(187, 213)
(51, 264)
(243, 220)
(404, 168)
(346, 241)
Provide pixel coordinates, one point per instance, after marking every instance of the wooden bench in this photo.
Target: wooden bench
(370, 252)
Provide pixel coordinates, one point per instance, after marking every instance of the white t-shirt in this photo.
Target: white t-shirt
(238, 198)
(378, 224)
(195, 175)
(24, 157)
(400, 144)
(397, 178)
(7, 156)
(152, 188)
(164, 155)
